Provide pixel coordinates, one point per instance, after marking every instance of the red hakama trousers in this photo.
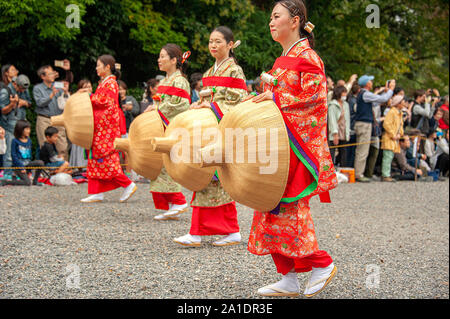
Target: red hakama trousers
(162, 200)
(97, 186)
(219, 220)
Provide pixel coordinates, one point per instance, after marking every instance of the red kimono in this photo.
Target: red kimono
(103, 170)
(288, 232)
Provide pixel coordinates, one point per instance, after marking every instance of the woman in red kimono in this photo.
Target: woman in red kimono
(104, 171)
(297, 84)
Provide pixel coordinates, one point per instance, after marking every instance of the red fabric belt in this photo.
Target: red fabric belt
(229, 82)
(296, 64)
(171, 90)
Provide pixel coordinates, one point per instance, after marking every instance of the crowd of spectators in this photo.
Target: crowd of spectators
(379, 132)
(390, 136)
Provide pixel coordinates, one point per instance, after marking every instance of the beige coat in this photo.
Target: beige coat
(393, 125)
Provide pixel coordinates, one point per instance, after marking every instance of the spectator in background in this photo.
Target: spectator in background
(2, 148)
(196, 83)
(49, 155)
(442, 154)
(2, 141)
(46, 96)
(422, 111)
(351, 100)
(434, 121)
(14, 97)
(150, 91)
(349, 84)
(258, 85)
(130, 106)
(430, 149)
(8, 72)
(330, 88)
(393, 131)
(403, 170)
(364, 119)
(78, 156)
(62, 99)
(21, 155)
(338, 124)
(249, 84)
(443, 122)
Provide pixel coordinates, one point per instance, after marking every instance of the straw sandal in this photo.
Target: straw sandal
(326, 280)
(277, 292)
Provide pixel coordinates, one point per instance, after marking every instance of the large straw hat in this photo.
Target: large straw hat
(244, 174)
(78, 119)
(187, 129)
(141, 157)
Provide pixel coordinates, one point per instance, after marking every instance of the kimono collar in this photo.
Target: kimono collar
(172, 76)
(299, 42)
(109, 76)
(216, 67)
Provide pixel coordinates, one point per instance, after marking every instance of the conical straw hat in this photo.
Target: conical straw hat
(78, 119)
(187, 129)
(245, 174)
(141, 157)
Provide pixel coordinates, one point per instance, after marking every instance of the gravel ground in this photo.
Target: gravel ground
(388, 240)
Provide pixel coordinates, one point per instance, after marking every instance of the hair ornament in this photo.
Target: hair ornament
(309, 27)
(186, 56)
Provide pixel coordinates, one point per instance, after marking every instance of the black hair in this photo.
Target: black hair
(297, 8)
(195, 77)
(50, 131)
(122, 84)
(107, 59)
(21, 125)
(397, 90)
(338, 91)
(228, 36)
(418, 93)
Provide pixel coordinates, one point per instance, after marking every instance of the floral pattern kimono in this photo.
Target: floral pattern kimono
(103, 169)
(302, 98)
(169, 106)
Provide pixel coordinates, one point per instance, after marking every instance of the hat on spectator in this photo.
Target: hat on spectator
(362, 81)
(22, 81)
(396, 100)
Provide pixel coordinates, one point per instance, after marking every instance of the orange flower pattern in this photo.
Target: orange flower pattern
(303, 98)
(105, 161)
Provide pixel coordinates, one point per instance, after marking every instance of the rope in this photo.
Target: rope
(48, 168)
(79, 167)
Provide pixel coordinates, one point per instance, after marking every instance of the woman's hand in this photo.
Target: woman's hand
(150, 108)
(336, 139)
(266, 96)
(202, 105)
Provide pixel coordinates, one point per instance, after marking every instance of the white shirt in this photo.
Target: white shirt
(2, 146)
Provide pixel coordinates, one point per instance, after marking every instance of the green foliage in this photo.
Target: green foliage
(411, 44)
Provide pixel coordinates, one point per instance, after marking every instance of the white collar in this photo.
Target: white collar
(293, 46)
(107, 77)
(216, 67)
